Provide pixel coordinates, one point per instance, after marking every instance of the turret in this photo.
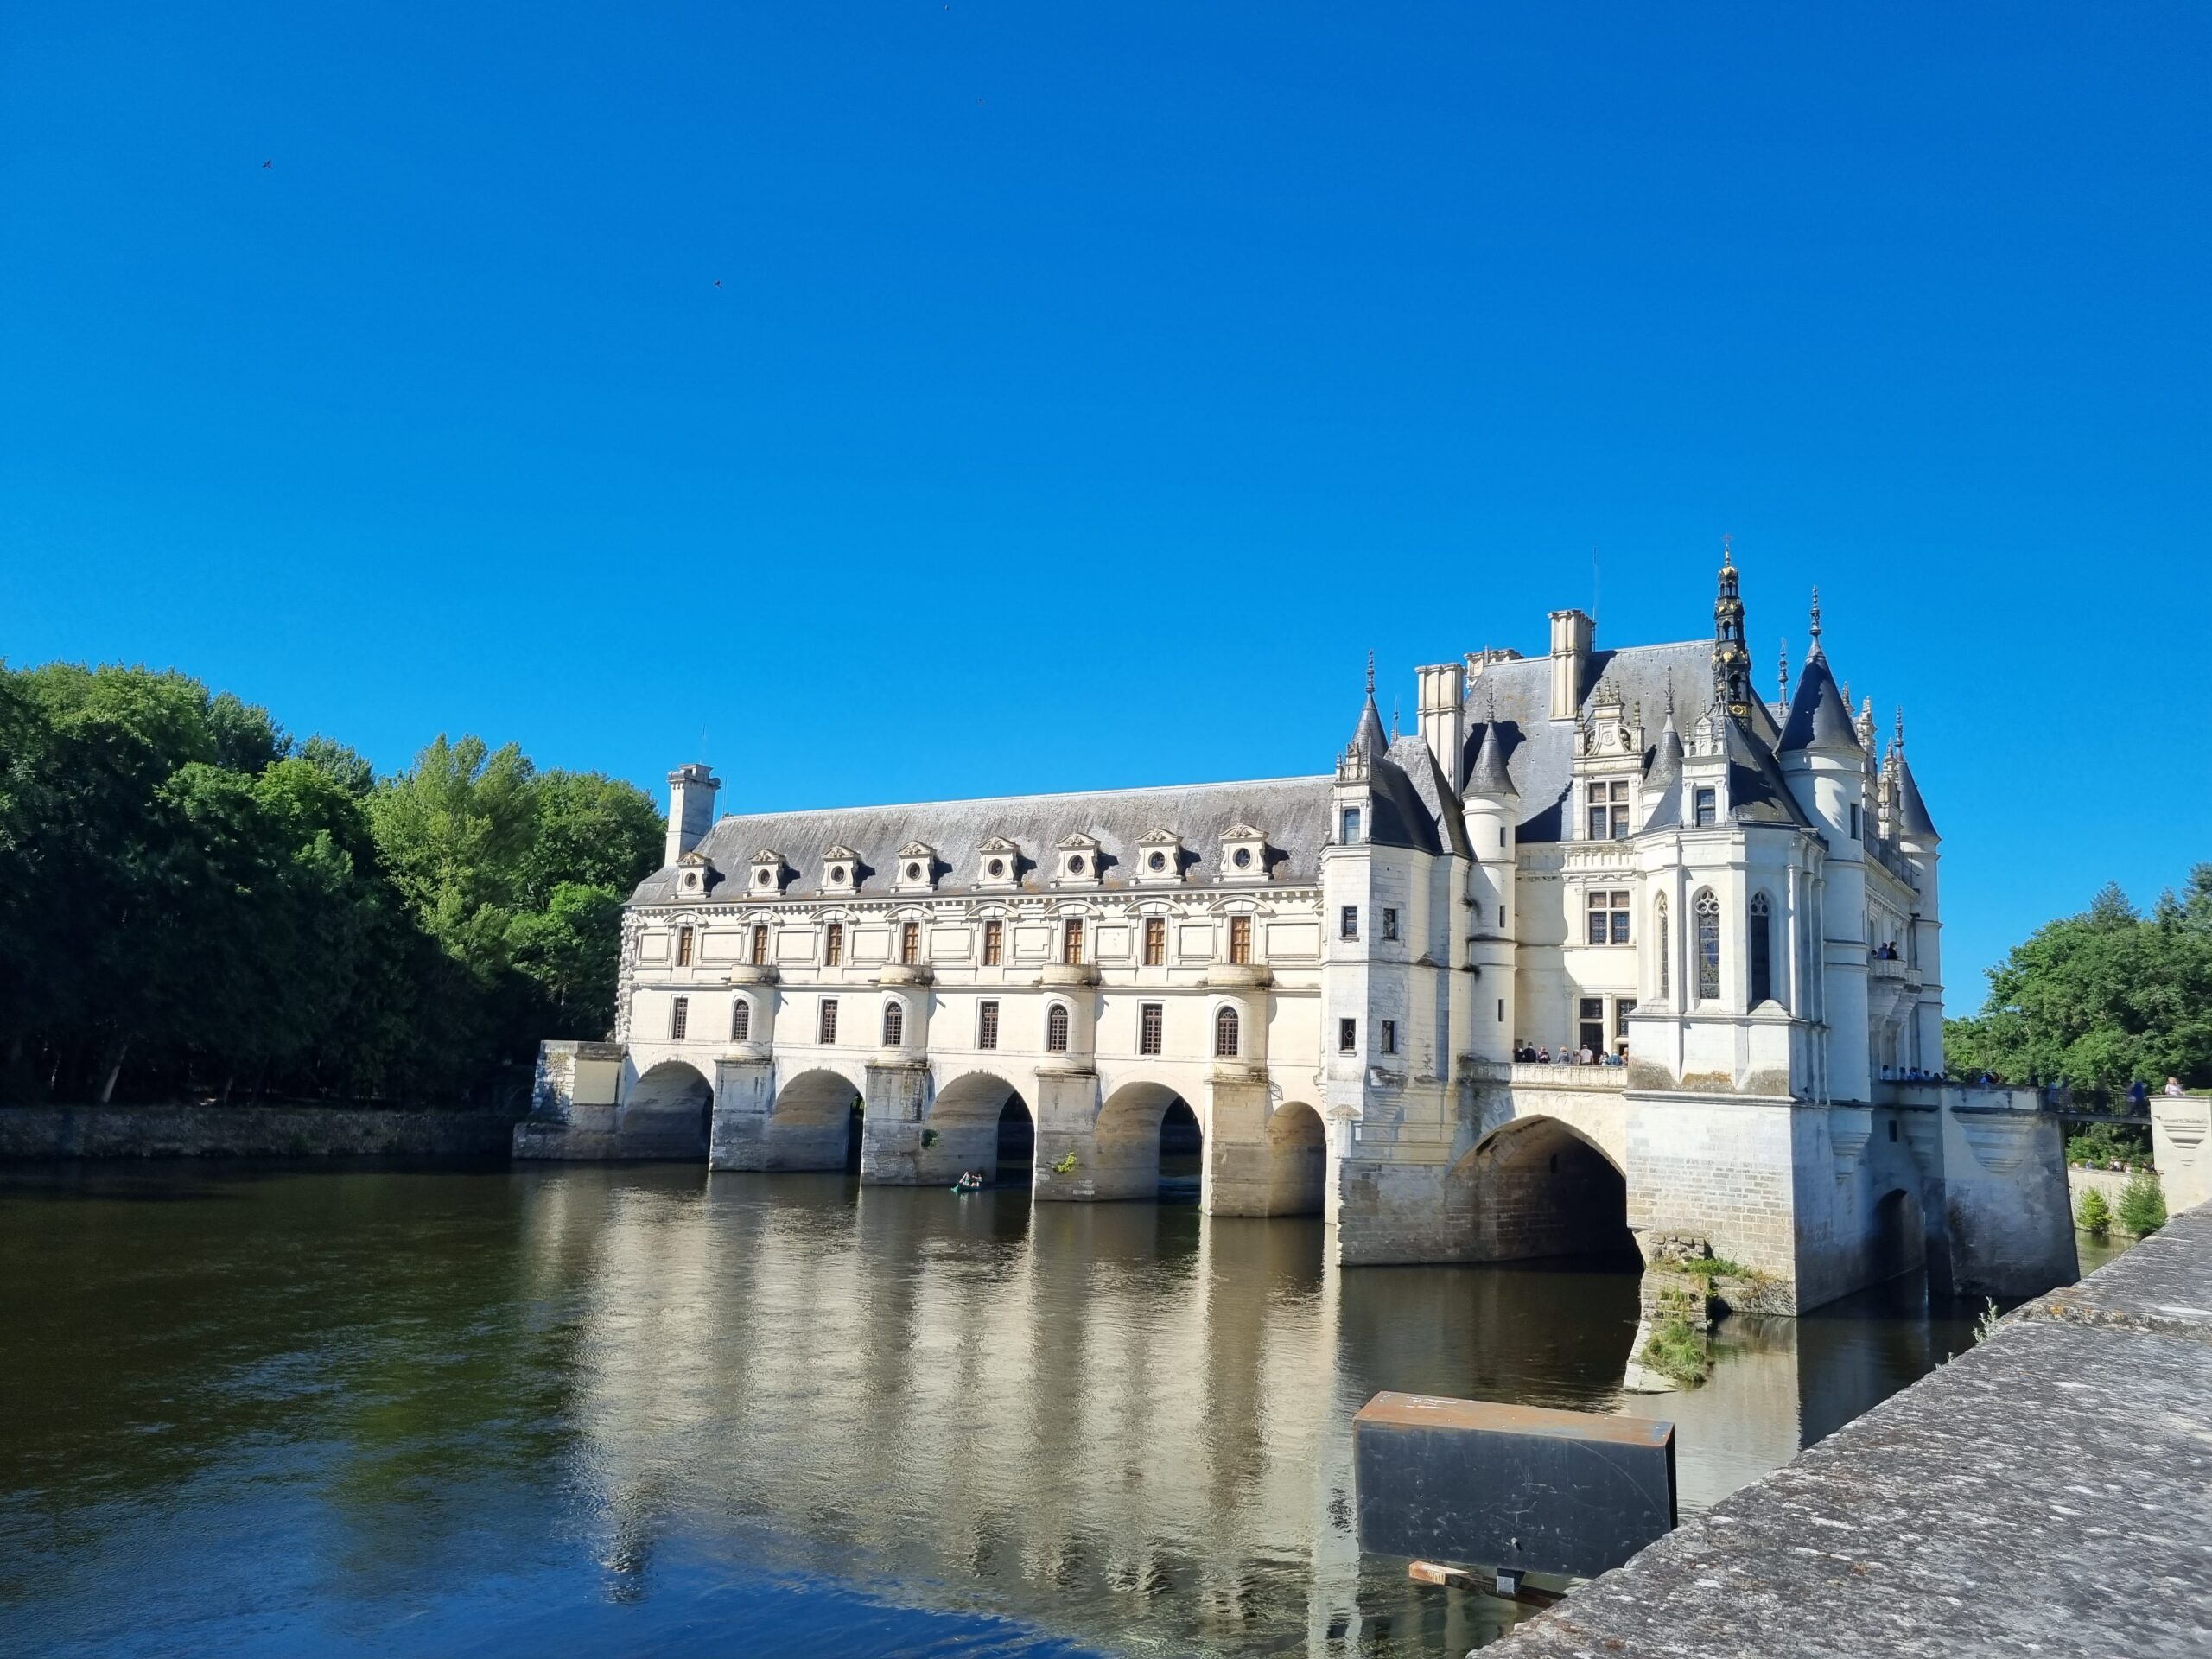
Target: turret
(1921, 847)
(1490, 810)
(691, 808)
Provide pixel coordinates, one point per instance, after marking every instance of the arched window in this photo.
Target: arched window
(1056, 1029)
(1709, 945)
(1660, 938)
(740, 1020)
(894, 1024)
(1760, 951)
(1225, 1033)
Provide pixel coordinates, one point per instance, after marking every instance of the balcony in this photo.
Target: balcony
(905, 973)
(753, 972)
(1238, 975)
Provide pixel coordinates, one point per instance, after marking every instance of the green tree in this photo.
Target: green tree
(2143, 1206)
(2094, 1216)
(2104, 998)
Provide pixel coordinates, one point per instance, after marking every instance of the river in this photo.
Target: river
(640, 1410)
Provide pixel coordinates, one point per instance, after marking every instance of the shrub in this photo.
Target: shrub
(1066, 1166)
(1676, 1351)
(1714, 1266)
(2094, 1216)
(2143, 1206)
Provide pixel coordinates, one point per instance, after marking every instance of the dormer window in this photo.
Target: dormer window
(695, 873)
(1707, 808)
(998, 865)
(1608, 817)
(1079, 862)
(840, 870)
(1351, 825)
(1244, 854)
(1159, 858)
(766, 880)
(916, 868)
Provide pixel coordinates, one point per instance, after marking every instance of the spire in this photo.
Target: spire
(1393, 719)
(1667, 754)
(1367, 736)
(1371, 653)
(1784, 699)
(1732, 663)
(1815, 649)
(1489, 775)
(1819, 716)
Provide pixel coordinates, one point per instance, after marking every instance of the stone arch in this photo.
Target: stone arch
(1126, 1139)
(668, 1113)
(969, 1119)
(1897, 1240)
(1538, 1187)
(812, 1123)
(1298, 1150)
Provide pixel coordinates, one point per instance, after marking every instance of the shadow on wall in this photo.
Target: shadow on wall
(669, 1114)
(1534, 1189)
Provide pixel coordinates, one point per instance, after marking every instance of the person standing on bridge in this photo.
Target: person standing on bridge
(2138, 1096)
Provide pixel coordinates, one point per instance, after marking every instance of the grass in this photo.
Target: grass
(1678, 1353)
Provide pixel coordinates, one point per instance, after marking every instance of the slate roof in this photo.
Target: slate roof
(1818, 717)
(1912, 812)
(1292, 812)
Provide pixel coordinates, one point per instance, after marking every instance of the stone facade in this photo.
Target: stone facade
(1730, 903)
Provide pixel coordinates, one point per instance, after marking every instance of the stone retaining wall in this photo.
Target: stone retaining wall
(42, 1132)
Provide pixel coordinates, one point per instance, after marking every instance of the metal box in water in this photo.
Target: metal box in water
(1481, 1484)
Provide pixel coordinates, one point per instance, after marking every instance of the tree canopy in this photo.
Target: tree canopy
(193, 902)
(2103, 999)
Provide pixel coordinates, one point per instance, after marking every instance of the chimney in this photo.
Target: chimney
(691, 808)
(1443, 702)
(1572, 633)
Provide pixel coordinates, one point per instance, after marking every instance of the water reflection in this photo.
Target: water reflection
(636, 1408)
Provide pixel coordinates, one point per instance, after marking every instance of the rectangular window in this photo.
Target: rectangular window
(683, 947)
(1501, 1010)
(1351, 826)
(1705, 809)
(987, 1025)
(759, 947)
(826, 1027)
(1390, 1036)
(1151, 1023)
(1347, 1036)
(833, 945)
(1606, 919)
(1854, 820)
(1389, 924)
(1608, 813)
(1623, 1007)
(1500, 915)
(1072, 940)
(910, 942)
(994, 944)
(679, 1018)
(1593, 1022)
(1155, 942)
(1240, 938)
(1348, 922)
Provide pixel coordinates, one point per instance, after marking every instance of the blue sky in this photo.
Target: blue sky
(1087, 389)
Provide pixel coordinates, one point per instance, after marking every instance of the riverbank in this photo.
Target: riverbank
(30, 1134)
(2049, 1491)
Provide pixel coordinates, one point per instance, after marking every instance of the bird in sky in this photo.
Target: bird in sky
(718, 281)
(271, 162)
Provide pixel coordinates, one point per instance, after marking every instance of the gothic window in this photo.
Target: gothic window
(826, 1025)
(683, 947)
(994, 944)
(1609, 811)
(987, 1025)
(1151, 1019)
(740, 1020)
(1155, 942)
(1347, 1036)
(1351, 826)
(1607, 917)
(833, 945)
(1072, 940)
(1348, 922)
(910, 942)
(1708, 909)
(1225, 1034)
(1761, 954)
(679, 1018)
(1389, 924)
(1592, 1023)
(1705, 809)
(1659, 927)
(1240, 939)
(1056, 1029)
(894, 1024)
(759, 947)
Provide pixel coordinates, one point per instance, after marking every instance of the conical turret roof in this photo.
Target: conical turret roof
(1818, 716)
(1489, 775)
(1368, 736)
(1913, 822)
